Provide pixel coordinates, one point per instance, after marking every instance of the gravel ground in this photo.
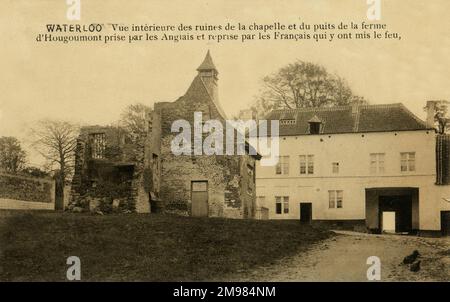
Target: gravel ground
(343, 258)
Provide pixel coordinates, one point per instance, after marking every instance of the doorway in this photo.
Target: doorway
(199, 197)
(445, 223)
(305, 212)
(388, 222)
(399, 208)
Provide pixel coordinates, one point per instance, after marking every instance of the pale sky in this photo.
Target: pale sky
(92, 83)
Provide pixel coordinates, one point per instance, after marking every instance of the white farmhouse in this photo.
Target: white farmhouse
(369, 165)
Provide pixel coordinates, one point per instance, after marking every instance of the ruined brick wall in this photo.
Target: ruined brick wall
(116, 175)
(148, 177)
(80, 177)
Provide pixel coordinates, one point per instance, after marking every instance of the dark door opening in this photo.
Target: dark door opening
(305, 212)
(445, 223)
(402, 207)
(199, 197)
(155, 203)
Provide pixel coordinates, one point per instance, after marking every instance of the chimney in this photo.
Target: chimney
(248, 114)
(431, 112)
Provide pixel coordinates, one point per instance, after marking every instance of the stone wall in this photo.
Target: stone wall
(19, 192)
(221, 172)
(118, 180)
(227, 175)
(160, 179)
(26, 189)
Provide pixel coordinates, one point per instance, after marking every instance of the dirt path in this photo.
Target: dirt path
(343, 258)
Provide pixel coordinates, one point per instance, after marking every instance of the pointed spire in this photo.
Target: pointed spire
(207, 64)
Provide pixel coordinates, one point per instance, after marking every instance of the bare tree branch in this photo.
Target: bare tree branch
(56, 141)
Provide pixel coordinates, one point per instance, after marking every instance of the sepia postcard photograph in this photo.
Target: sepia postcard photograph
(224, 148)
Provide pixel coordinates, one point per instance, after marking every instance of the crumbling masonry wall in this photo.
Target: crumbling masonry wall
(116, 180)
(227, 175)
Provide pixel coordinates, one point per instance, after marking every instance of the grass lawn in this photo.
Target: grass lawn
(34, 246)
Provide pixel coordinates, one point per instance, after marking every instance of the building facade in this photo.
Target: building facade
(372, 165)
(204, 185)
(115, 171)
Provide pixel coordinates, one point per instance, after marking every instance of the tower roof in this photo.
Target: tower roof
(207, 63)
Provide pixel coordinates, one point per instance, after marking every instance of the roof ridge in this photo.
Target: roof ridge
(219, 108)
(305, 109)
(388, 105)
(336, 108)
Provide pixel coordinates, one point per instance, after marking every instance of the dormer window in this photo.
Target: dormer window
(288, 118)
(315, 125)
(287, 122)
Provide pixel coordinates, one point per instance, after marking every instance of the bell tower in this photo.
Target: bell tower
(209, 75)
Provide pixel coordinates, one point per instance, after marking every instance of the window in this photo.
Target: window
(278, 205)
(282, 204)
(282, 166)
(376, 163)
(98, 145)
(335, 199)
(335, 168)
(314, 128)
(286, 205)
(339, 197)
(407, 161)
(310, 164)
(306, 164)
(287, 122)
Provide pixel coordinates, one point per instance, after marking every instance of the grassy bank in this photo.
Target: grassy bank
(34, 246)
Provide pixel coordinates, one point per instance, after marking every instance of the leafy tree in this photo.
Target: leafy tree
(12, 156)
(134, 120)
(441, 116)
(302, 85)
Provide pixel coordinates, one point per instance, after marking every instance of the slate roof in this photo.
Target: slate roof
(198, 91)
(342, 119)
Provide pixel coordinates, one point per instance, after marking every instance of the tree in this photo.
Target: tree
(12, 156)
(441, 116)
(134, 120)
(302, 85)
(56, 141)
